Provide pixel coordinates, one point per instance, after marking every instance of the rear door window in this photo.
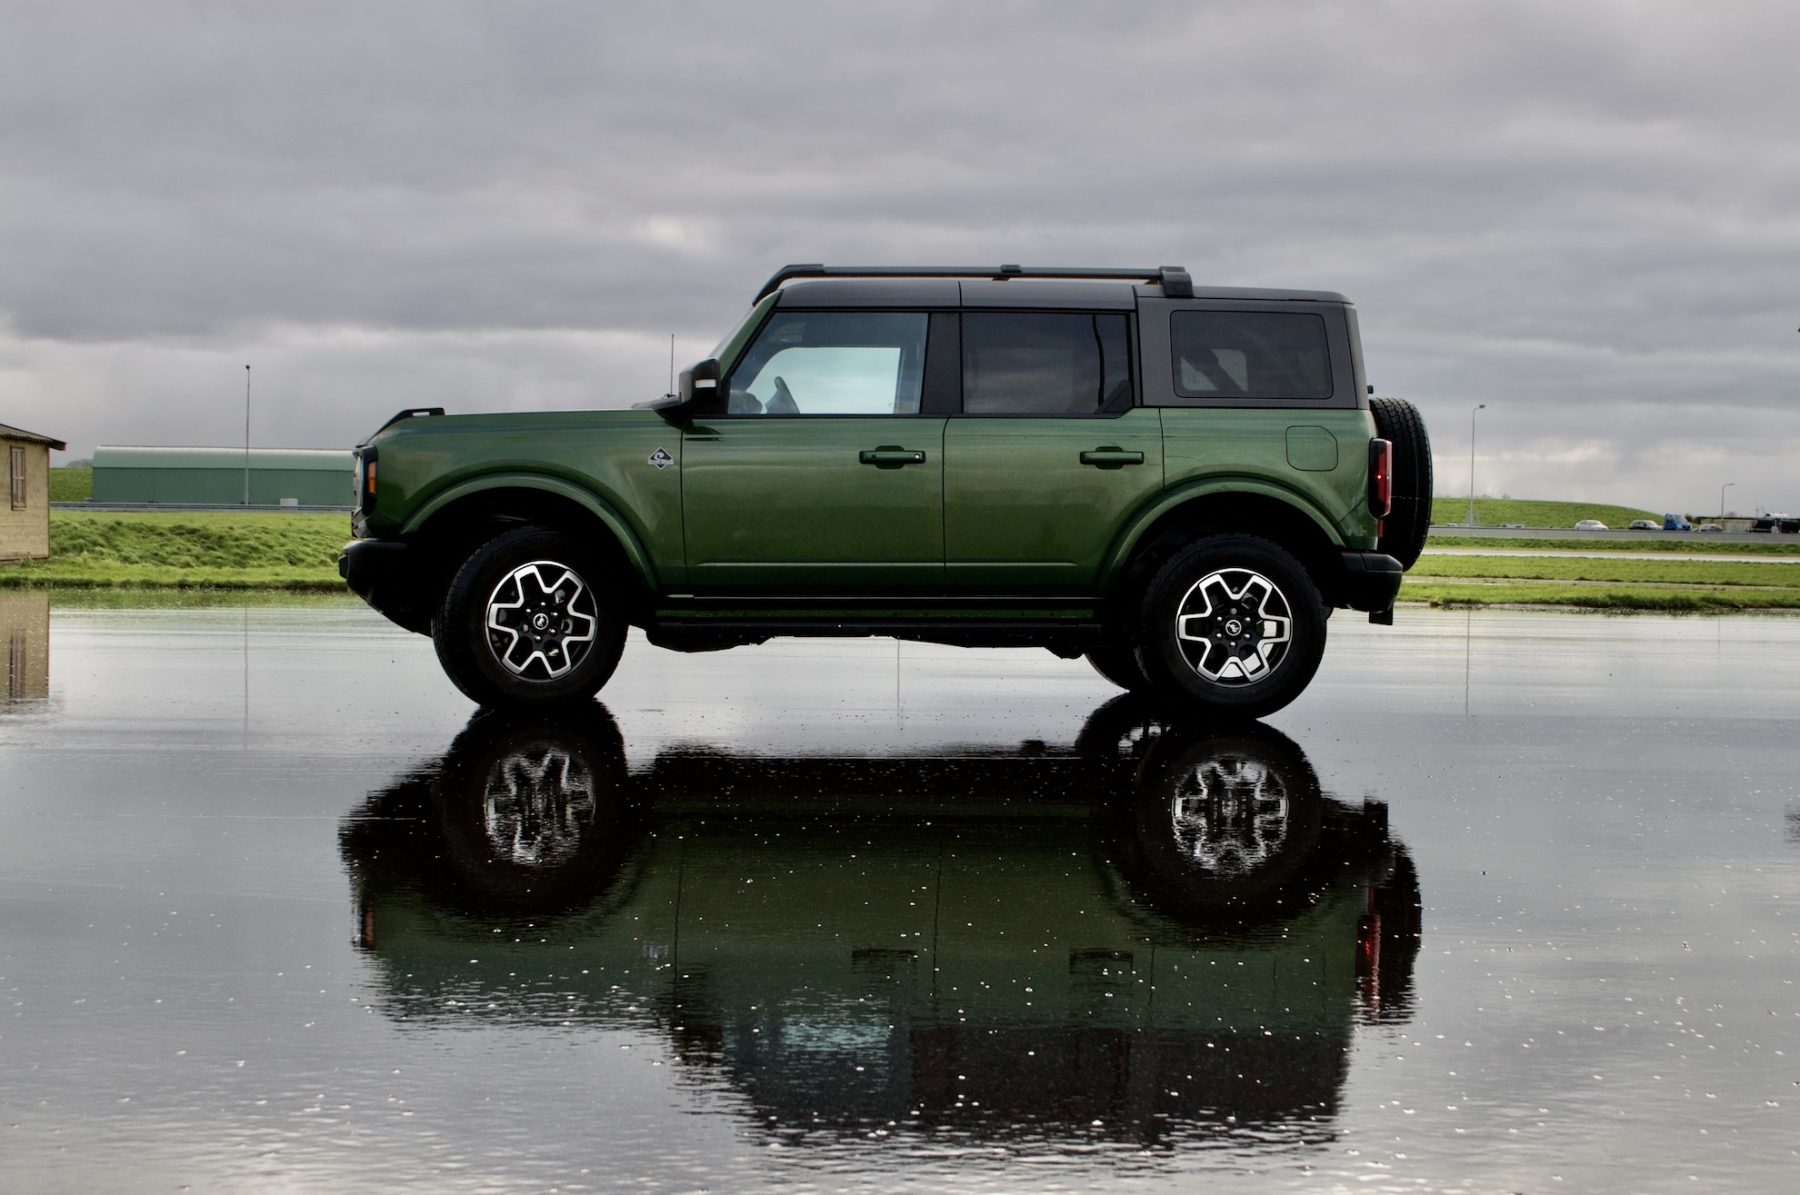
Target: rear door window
(1061, 364)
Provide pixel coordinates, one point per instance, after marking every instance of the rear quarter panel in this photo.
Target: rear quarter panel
(1317, 460)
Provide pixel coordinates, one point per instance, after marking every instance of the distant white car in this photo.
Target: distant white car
(1590, 525)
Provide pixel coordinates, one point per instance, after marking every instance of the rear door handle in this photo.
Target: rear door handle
(891, 456)
(1110, 457)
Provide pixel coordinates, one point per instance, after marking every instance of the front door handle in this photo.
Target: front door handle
(1111, 457)
(891, 456)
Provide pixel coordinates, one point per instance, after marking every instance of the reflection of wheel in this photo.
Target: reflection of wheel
(529, 620)
(1216, 824)
(535, 811)
(1409, 520)
(1122, 733)
(1234, 624)
(536, 804)
(1118, 663)
(1229, 815)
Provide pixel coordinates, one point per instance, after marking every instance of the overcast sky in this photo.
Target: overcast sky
(1585, 215)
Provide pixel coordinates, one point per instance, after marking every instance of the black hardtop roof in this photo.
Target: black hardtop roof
(1069, 282)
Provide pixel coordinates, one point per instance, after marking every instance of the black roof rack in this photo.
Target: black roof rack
(1176, 282)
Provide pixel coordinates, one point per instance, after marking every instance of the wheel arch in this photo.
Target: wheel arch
(1246, 507)
(461, 518)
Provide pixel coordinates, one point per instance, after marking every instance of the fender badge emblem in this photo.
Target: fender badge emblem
(661, 458)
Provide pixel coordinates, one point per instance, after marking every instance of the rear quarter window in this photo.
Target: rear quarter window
(1250, 355)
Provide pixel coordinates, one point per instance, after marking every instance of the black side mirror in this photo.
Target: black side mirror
(697, 388)
(701, 384)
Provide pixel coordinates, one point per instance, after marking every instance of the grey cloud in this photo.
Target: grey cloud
(1559, 208)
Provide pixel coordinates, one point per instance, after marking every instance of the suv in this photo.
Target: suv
(1178, 483)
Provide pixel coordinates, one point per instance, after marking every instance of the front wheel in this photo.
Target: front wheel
(529, 620)
(1232, 624)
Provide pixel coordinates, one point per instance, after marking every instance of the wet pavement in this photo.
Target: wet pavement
(1505, 902)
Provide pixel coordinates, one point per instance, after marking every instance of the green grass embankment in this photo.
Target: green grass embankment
(1615, 598)
(1493, 512)
(1692, 571)
(71, 484)
(1592, 574)
(199, 550)
(1695, 583)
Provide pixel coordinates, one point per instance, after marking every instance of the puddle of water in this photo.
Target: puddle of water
(1507, 901)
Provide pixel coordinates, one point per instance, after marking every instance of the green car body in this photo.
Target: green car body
(962, 459)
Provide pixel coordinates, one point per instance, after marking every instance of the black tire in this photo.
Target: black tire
(1118, 663)
(565, 644)
(1233, 625)
(1403, 532)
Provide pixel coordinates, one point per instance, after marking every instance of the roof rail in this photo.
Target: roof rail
(1175, 280)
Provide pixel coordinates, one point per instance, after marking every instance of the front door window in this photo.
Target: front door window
(832, 363)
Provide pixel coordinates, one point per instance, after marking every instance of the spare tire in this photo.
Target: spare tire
(1409, 520)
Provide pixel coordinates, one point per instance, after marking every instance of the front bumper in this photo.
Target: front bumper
(1371, 581)
(380, 572)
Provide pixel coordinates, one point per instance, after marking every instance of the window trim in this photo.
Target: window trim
(21, 496)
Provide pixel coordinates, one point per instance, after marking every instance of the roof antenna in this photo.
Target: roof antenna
(671, 393)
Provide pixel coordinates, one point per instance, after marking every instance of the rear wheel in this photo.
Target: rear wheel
(529, 620)
(1232, 624)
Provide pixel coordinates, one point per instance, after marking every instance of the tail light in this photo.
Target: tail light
(1381, 478)
(365, 480)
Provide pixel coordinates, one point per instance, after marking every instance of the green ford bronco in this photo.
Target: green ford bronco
(1179, 483)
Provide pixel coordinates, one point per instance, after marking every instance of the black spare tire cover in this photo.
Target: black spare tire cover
(1403, 531)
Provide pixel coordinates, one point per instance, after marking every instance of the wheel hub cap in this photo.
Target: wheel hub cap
(1234, 626)
(541, 620)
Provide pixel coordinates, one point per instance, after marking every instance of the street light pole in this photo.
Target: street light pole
(1722, 490)
(246, 435)
(1480, 406)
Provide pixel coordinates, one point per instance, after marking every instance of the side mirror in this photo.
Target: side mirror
(701, 383)
(698, 387)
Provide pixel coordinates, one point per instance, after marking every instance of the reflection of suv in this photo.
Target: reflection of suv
(1179, 483)
(1123, 940)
